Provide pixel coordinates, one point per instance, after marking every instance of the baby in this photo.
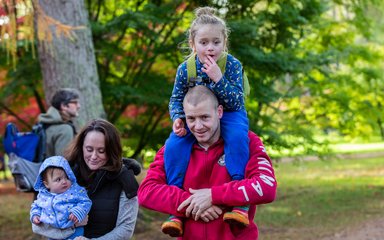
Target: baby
(61, 203)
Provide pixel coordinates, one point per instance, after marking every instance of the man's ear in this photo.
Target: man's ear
(63, 106)
(220, 111)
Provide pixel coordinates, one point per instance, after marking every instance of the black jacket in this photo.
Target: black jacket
(104, 191)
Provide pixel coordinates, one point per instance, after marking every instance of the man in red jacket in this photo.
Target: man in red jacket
(208, 190)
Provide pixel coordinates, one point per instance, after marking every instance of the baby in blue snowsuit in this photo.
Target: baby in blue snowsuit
(61, 202)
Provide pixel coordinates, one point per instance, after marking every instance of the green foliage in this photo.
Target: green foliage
(314, 66)
(268, 39)
(318, 199)
(20, 85)
(137, 57)
(293, 52)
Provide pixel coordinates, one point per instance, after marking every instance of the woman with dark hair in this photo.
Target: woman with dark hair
(96, 158)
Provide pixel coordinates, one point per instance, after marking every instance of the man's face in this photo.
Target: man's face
(204, 121)
(72, 108)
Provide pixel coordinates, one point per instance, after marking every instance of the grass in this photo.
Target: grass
(14, 216)
(315, 199)
(318, 198)
(337, 145)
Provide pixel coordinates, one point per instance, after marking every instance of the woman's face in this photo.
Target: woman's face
(94, 150)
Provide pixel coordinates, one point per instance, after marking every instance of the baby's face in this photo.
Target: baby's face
(58, 181)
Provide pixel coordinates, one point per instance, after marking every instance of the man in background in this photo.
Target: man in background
(57, 120)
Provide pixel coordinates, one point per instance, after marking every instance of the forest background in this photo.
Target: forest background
(315, 67)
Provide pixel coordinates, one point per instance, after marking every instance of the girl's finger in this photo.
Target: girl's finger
(211, 60)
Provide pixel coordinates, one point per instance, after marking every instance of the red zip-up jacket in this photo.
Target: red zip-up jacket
(207, 169)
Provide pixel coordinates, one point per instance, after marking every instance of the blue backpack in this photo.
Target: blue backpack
(27, 145)
(26, 152)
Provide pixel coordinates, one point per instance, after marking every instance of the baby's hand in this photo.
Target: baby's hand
(73, 218)
(82, 223)
(178, 127)
(36, 220)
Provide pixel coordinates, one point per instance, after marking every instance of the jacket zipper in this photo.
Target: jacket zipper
(53, 210)
(206, 177)
(97, 185)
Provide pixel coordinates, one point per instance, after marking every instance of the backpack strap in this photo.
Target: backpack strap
(222, 62)
(192, 71)
(246, 86)
(39, 129)
(191, 67)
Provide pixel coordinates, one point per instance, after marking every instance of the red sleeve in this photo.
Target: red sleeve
(155, 194)
(259, 185)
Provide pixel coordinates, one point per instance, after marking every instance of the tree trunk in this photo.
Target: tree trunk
(70, 62)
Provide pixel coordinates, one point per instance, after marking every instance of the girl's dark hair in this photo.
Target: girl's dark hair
(113, 149)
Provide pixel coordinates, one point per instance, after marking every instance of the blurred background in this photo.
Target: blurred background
(315, 68)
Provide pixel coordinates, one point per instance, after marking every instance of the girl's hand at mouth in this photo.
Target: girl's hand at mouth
(211, 68)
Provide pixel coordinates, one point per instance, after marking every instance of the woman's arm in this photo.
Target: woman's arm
(126, 219)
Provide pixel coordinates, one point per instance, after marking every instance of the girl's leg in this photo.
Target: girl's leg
(234, 130)
(238, 216)
(173, 226)
(176, 157)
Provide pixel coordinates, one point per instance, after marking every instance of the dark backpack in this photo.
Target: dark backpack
(26, 152)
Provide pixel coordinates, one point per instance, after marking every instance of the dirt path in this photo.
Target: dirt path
(370, 230)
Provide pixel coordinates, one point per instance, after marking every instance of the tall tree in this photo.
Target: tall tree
(66, 53)
(137, 55)
(311, 64)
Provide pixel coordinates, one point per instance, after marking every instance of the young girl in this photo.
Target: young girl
(208, 37)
